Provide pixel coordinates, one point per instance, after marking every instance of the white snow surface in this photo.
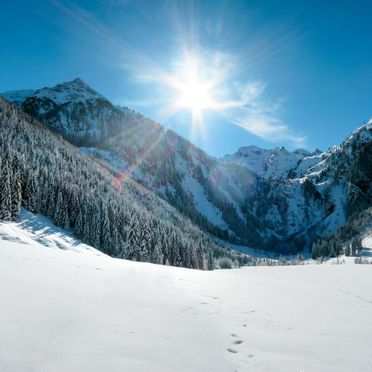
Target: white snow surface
(37, 230)
(73, 310)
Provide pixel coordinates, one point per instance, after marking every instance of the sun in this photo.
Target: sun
(193, 92)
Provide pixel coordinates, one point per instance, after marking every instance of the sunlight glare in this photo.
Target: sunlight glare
(194, 93)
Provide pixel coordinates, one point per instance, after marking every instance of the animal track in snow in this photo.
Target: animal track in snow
(238, 342)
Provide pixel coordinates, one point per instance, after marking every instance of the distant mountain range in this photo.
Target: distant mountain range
(270, 199)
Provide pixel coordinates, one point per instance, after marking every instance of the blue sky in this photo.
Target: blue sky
(281, 73)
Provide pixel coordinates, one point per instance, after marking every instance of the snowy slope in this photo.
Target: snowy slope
(275, 163)
(39, 231)
(202, 204)
(63, 310)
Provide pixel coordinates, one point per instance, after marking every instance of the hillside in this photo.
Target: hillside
(47, 175)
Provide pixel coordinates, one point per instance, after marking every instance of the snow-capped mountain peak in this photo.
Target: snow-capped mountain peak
(72, 109)
(75, 90)
(72, 91)
(274, 163)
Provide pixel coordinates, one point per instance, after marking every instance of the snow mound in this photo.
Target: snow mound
(39, 231)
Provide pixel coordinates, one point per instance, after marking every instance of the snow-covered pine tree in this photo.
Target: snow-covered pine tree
(79, 223)
(58, 211)
(132, 246)
(105, 233)
(30, 192)
(16, 195)
(143, 252)
(157, 254)
(94, 219)
(5, 190)
(210, 262)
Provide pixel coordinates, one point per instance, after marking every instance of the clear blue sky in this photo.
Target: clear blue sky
(292, 73)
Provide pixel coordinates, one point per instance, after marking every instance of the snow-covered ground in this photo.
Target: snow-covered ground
(74, 309)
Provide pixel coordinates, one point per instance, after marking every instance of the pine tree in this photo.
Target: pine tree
(157, 255)
(5, 191)
(16, 197)
(199, 255)
(132, 246)
(105, 233)
(79, 228)
(210, 264)
(30, 196)
(58, 209)
(93, 218)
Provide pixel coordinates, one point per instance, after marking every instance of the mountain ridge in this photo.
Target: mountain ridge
(255, 197)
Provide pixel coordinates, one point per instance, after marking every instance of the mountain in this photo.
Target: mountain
(316, 201)
(74, 110)
(270, 199)
(47, 175)
(276, 163)
(202, 188)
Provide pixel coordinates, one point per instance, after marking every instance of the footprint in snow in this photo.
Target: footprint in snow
(235, 342)
(238, 342)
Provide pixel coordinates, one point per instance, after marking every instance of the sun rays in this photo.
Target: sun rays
(195, 79)
(193, 91)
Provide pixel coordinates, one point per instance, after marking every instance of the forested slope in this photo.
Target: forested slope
(47, 175)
